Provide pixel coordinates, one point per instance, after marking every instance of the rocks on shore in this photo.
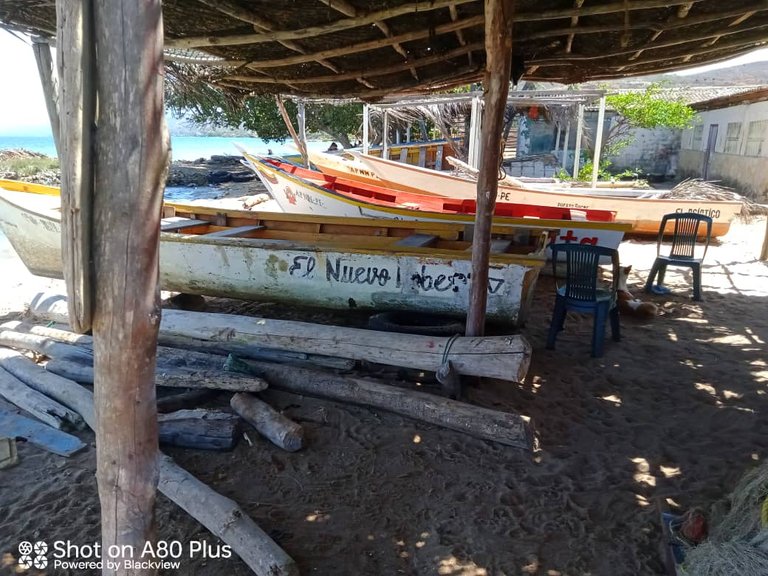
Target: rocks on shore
(215, 170)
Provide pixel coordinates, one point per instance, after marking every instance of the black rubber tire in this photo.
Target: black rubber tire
(416, 323)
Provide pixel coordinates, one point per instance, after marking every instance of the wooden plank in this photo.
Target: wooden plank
(403, 154)
(17, 426)
(200, 429)
(8, 455)
(416, 241)
(231, 232)
(422, 156)
(179, 223)
(42, 50)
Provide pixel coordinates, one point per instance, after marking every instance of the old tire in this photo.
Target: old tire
(416, 323)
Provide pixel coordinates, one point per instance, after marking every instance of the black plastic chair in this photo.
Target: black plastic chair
(682, 252)
(581, 292)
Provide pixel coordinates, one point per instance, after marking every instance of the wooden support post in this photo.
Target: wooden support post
(77, 109)
(764, 251)
(385, 136)
(131, 161)
(566, 145)
(366, 125)
(557, 139)
(302, 120)
(598, 141)
(475, 122)
(498, 50)
(44, 61)
(577, 146)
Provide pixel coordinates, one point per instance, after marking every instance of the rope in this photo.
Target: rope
(448, 347)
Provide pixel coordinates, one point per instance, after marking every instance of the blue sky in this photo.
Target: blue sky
(22, 106)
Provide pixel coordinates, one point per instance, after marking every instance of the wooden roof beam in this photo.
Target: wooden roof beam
(755, 38)
(369, 73)
(574, 23)
(459, 34)
(260, 25)
(312, 31)
(683, 10)
(639, 25)
(341, 6)
(397, 47)
(742, 18)
(371, 45)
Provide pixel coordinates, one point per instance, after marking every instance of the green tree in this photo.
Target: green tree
(646, 109)
(206, 104)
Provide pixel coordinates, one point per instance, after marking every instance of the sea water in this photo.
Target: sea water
(182, 147)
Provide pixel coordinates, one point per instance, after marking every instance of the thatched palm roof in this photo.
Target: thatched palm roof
(369, 49)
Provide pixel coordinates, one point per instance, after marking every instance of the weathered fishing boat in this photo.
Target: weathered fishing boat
(326, 262)
(318, 194)
(644, 214)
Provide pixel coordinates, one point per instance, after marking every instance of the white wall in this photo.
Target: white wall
(748, 174)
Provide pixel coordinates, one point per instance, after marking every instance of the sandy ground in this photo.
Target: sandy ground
(675, 410)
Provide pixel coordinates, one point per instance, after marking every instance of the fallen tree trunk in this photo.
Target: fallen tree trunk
(222, 516)
(268, 422)
(503, 357)
(37, 404)
(199, 429)
(503, 427)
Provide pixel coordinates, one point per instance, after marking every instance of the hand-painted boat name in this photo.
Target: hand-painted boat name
(705, 211)
(572, 205)
(291, 195)
(336, 270)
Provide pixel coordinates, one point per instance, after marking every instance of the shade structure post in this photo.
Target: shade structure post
(289, 125)
(130, 162)
(566, 145)
(557, 139)
(366, 124)
(42, 50)
(302, 121)
(498, 49)
(598, 141)
(577, 147)
(475, 122)
(385, 136)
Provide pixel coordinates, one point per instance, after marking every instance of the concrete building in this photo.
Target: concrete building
(729, 143)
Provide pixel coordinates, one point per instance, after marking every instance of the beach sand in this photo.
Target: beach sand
(675, 410)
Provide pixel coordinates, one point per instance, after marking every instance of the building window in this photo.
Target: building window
(698, 133)
(732, 138)
(756, 137)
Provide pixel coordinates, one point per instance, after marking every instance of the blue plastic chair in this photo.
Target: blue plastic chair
(682, 252)
(581, 292)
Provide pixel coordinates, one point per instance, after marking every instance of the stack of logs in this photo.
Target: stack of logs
(43, 369)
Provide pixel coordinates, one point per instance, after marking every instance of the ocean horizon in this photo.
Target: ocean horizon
(182, 147)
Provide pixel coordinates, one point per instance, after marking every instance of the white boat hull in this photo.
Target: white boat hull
(644, 214)
(292, 272)
(298, 196)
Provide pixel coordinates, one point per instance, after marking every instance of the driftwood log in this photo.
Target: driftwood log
(200, 429)
(14, 425)
(503, 357)
(268, 422)
(43, 345)
(176, 377)
(184, 400)
(223, 517)
(503, 427)
(37, 404)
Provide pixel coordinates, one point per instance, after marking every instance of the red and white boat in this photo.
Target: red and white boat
(302, 191)
(644, 214)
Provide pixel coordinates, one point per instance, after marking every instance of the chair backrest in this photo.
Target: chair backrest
(685, 235)
(581, 267)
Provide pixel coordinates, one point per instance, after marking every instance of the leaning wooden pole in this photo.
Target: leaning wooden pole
(42, 51)
(131, 161)
(498, 51)
(288, 124)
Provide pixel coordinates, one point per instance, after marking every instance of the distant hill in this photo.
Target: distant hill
(744, 75)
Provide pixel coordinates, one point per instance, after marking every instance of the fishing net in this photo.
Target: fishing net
(738, 542)
(698, 189)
